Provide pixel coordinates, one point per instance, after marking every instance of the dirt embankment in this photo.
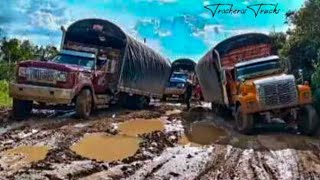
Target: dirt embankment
(162, 142)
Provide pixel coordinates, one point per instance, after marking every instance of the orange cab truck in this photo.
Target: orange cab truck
(243, 75)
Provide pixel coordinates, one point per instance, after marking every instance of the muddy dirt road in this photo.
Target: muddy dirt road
(162, 142)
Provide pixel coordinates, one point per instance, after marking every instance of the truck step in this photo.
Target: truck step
(103, 99)
(102, 106)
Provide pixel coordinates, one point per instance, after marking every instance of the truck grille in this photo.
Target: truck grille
(41, 75)
(278, 93)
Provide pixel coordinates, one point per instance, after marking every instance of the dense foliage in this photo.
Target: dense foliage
(303, 43)
(4, 94)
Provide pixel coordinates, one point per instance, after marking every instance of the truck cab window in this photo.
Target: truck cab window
(258, 69)
(85, 62)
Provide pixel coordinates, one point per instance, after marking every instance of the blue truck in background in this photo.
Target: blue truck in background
(182, 73)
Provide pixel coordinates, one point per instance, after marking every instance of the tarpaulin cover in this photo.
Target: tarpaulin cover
(141, 70)
(184, 64)
(207, 67)
(144, 70)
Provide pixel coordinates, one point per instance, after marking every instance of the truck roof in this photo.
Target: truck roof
(184, 64)
(253, 61)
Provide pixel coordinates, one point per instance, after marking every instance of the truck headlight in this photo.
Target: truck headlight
(252, 105)
(61, 76)
(181, 85)
(22, 72)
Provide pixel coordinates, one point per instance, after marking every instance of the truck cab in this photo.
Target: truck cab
(182, 76)
(265, 92)
(177, 86)
(69, 76)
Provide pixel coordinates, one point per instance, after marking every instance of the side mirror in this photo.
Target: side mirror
(242, 80)
(300, 76)
(286, 65)
(43, 56)
(223, 77)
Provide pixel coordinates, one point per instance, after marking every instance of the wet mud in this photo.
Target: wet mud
(165, 142)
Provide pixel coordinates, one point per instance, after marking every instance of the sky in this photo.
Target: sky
(174, 28)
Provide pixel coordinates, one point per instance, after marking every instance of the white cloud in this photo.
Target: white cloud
(45, 20)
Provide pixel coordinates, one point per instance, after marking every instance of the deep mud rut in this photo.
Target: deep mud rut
(174, 145)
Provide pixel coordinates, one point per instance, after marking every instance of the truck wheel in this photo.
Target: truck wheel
(84, 104)
(140, 102)
(308, 121)
(21, 109)
(164, 98)
(244, 122)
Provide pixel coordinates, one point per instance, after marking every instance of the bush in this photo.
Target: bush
(316, 98)
(316, 88)
(7, 72)
(5, 100)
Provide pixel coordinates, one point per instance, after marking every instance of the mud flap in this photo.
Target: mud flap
(308, 121)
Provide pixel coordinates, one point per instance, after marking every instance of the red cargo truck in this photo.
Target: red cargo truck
(98, 63)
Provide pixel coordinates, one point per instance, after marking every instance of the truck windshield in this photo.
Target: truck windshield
(179, 75)
(258, 69)
(85, 62)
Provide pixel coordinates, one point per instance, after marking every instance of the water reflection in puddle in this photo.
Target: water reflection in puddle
(141, 126)
(202, 133)
(106, 148)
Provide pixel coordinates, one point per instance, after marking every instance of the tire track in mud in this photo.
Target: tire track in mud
(235, 163)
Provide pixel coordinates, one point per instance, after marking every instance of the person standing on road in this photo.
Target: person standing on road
(188, 94)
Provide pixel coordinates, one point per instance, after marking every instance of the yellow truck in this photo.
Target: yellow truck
(242, 74)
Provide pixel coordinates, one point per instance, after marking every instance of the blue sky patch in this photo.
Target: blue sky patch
(175, 28)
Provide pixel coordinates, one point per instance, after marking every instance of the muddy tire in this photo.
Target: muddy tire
(135, 102)
(308, 121)
(164, 98)
(21, 109)
(84, 104)
(244, 122)
(220, 110)
(141, 102)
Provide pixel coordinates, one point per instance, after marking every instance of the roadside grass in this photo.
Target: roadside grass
(5, 100)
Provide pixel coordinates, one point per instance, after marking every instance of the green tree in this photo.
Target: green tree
(303, 45)
(278, 41)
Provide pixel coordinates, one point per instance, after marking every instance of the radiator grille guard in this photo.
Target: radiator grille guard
(41, 75)
(278, 93)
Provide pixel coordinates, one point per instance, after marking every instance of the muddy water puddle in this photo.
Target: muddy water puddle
(112, 148)
(106, 148)
(141, 126)
(29, 153)
(16, 158)
(202, 133)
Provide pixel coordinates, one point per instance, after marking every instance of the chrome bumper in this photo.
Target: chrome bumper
(41, 94)
(174, 91)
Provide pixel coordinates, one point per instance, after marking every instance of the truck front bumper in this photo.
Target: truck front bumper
(174, 91)
(41, 94)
